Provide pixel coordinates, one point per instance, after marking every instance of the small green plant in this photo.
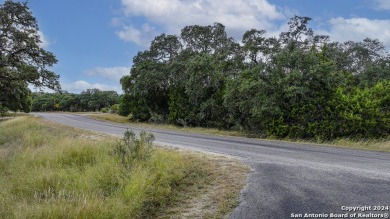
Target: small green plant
(114, 109)
(131, 148)
(156, 118)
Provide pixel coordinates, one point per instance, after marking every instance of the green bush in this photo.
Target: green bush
(114, 108)
(362, 113)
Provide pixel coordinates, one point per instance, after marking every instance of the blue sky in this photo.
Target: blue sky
(95, 40)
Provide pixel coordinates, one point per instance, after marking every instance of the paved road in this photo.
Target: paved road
(287, 178)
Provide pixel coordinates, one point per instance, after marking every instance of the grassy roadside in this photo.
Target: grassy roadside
(372, 145)
(125, 120)
(52, 171)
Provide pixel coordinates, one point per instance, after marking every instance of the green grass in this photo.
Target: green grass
(363, 144)
(52, 171)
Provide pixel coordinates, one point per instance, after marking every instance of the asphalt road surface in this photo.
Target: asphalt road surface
(288, 180)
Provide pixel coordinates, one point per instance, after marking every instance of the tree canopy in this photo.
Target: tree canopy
(297, 85)
(23, 61)
(88, 100)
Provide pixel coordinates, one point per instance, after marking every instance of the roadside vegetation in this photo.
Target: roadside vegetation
(52, 171)
(127, 120)
(298, 86)
(381, 144)
(89, 100)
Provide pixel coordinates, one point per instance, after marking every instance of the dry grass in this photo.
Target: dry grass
(219, 197)
(371, 145)
(52, 171)
(365, 144)
(110, 117)
(200, 130)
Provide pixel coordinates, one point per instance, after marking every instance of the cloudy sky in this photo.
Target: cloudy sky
(95, 40)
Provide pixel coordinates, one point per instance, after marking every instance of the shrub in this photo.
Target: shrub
(156, 118)
(114, 108)
(131, 148)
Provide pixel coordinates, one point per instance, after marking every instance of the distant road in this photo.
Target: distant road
(288, 179)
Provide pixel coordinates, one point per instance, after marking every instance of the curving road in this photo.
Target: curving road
(288, 180)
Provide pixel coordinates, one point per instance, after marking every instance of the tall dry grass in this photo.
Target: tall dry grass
(50, 171)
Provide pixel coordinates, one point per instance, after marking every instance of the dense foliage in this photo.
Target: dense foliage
(22, 59)
(88, 100)
(298, 85)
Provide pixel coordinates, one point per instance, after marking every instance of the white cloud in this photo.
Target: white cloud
(173, 15)
(357, 29)
(130, 34)
(116, 22)
(141, 37)
(382, 4)
(44, 40)
(112, 73)
(78, 86)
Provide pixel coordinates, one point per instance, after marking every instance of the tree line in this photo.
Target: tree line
(88, 100)
(297, 85)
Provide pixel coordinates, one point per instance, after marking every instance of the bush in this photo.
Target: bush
(364, 112)
(156, 118)
(131, 149)
(114, 108)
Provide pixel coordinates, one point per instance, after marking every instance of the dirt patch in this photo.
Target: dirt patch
(219, 197)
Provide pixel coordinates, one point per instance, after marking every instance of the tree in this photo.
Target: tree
(299, 85)
(166, 47)
(95, 99)
(17, 97)
(299, 33)
(88, 100)
(22, 59)
(253, 41)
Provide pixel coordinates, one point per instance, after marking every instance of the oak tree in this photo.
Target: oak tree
(23, 61)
